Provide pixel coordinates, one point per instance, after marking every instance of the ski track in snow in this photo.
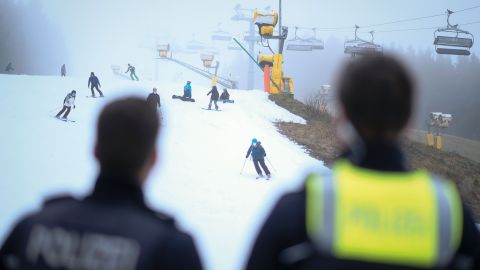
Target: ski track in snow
(197, 178)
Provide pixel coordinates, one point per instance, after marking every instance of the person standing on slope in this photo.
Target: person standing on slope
(258, 157)
(68, 103)
(153, 99)
(93, 82)
(133, 76)
(63, 71)
(9, 67)
(213, 98)
(187, 90)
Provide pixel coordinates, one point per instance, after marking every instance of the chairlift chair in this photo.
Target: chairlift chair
(221, 35)
(362, 47)
(298, 44)
(317, 44)
(452, 40)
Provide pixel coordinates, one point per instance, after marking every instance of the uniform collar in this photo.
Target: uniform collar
(109, 187)
(380, 155)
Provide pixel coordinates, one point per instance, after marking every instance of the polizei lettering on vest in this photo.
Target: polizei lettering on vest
(59, 248)
(395, 221)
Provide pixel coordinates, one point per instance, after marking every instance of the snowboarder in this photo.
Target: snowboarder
(68, 102)
(9, 67)
(63, 71)
(187, 90)
(93, 82)
(133, 76)
(153, 99)
(258, 157)
(213, 98)
(187, 93)
(225, 96)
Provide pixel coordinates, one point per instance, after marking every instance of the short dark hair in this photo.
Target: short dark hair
(126, 134)
(377, 95)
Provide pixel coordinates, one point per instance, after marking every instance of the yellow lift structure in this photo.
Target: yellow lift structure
(266, 27)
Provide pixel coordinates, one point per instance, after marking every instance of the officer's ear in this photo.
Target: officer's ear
(95, 151)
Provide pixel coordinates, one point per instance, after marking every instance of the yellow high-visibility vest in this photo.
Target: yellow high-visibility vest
(398, 218)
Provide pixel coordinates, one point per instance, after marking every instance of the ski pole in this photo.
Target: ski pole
(243, 165)
(271, 164)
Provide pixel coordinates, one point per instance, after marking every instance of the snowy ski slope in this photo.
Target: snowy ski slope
(201, 153)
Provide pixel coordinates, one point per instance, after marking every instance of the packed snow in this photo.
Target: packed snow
(197, 178)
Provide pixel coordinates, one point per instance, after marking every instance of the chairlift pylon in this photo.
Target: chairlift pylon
(362, 47)
(451, 40)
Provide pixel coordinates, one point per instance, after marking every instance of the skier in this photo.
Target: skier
(68, 102)
(258, 155)
(93, 82)
(153, 99)
(187, 90)
(9, 67)
(84, 233)
(225, 96)
(213, 98)
(63, 71)
(133, 76)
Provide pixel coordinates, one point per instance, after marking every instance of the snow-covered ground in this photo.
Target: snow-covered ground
(197, 178)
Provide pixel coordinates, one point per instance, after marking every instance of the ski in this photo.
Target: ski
(64, 120)
(207, 109)
(95, 96)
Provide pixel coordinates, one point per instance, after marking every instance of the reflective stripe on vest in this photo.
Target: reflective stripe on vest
(410, 219)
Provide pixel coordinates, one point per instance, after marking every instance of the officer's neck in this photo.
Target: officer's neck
(117, 186)
(379, 155)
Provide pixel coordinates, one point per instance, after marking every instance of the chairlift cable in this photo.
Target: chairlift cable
(335, 29)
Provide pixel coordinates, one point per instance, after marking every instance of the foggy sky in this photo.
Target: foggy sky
(110, 27)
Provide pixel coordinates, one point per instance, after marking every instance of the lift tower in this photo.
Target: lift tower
(251, 38)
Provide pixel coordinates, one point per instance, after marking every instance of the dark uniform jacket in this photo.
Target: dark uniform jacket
(257, 152)
(214, 93)
(153, 100)
(110, 229)
(286, 228)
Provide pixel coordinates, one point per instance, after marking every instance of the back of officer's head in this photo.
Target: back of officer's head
(376, 95)
(126, 136)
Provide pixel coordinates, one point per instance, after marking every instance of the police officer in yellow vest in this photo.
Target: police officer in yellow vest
(370, 211)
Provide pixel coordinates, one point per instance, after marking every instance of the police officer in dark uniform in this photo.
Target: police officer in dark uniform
(112, 228)
(370, 211)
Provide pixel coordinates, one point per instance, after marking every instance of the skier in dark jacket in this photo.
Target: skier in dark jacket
(153, 99)
(112, 227)
(133, 76)
(213, 97)
(258, 157)
(63, 71)
(68, 103)
(93, 82)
